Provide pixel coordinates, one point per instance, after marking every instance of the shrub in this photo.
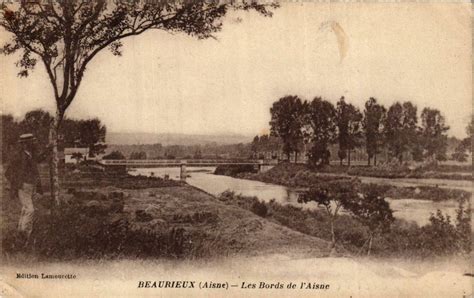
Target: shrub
(259, 208)
(233, 170)
(440, 237)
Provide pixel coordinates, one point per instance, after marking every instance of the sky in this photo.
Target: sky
(172, 83)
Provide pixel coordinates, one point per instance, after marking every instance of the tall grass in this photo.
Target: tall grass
(442, 236)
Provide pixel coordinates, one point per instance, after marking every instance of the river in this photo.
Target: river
(408, 209)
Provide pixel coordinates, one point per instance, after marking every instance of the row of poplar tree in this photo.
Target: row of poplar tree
(319, 123)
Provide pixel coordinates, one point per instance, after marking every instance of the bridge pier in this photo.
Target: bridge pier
(183, 173)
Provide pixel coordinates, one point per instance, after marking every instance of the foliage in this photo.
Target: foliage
(10, 132)
(433, 134)
(287, 122)
(292, 175)
(466, 143)
(75, 132)
(320, 117)
(371, 209)
(400, 129)
(333, 196)
(444, 237)
(391, 170)
(441, 237)
(403, 239)
(460, 151)
(349, 127)
(234, 170)
(264, 143)
(463, 227)
(89, 133)
(138, 155)
(114, 155)
(92, 135)
(259, 208)
(38, 123)
(374, 117)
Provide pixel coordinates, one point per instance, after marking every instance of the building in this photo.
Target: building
(74, 155)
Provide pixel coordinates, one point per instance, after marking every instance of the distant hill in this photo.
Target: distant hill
(125, 138)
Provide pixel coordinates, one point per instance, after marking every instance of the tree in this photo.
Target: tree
(470, 128)
(71, 132)
(37, 122)
(254, 146)
(197, 154)
(374, 117)
(460, 151)
(92, 135)
(466, 143)
(371, 209)
(349, 124)
(138, 155)
(67, 35)
(400, 129)
(114, 155)
(433, 134)
(321, 120)
(410, 127)
(333, 196)
(287, 123)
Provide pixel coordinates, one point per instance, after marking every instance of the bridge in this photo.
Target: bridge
(260, 164)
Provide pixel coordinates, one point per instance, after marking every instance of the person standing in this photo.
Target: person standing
(24, 178)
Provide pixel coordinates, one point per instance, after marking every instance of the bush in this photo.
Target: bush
(382, 171)
(233, 170)
(259, 208)
(439, 238)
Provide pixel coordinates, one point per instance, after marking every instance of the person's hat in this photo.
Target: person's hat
(26, 137)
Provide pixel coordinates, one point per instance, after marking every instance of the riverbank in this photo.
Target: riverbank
(299, 176)
(141, 217)
(389, 171)
(439, 237)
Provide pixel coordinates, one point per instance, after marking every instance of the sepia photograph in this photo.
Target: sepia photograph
(236, 148)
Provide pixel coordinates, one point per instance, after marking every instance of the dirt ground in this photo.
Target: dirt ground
(228, 230)
(221, 229)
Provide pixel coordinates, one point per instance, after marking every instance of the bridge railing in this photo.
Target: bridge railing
(176, 161)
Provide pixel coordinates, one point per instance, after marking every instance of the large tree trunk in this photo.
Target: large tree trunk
(375, 159)
(54, 166)
(296, 157)
(368, 160)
